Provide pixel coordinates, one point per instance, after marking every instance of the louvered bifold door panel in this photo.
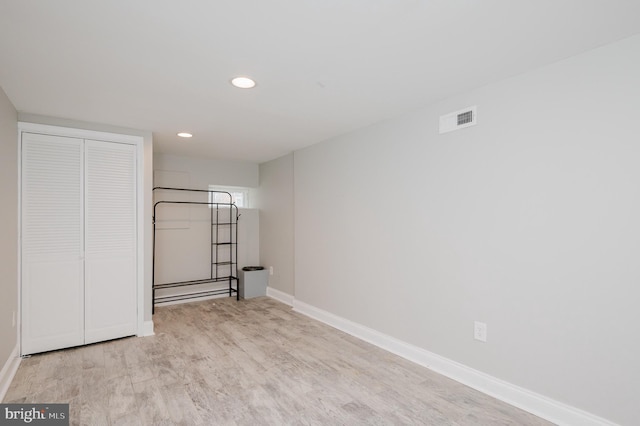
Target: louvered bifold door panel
(110, 253)
(52, 243)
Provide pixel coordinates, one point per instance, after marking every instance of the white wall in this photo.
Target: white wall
(183, 233)
(527, 221)
(275, 200)
(8, 227)
(203, 172)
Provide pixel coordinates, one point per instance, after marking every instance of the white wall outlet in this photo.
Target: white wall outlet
(480, 331)
(270, 270)
(13, 319)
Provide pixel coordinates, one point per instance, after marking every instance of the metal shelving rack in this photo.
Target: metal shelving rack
(223, 249)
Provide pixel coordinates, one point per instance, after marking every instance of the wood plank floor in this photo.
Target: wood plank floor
(252, 362)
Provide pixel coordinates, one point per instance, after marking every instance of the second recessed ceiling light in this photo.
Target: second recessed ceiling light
(243, 82)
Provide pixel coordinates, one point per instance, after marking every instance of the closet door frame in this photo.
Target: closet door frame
(138, 142)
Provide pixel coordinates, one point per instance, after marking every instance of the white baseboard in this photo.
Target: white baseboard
(147, 329)
(9, 371)
(541, 406)
(280, 296)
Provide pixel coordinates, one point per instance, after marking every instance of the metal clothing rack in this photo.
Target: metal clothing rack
(220, 220)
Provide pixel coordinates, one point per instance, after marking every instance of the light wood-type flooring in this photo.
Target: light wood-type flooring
(252, 362)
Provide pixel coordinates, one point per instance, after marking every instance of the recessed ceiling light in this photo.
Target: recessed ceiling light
(243, 82)
(185, 135)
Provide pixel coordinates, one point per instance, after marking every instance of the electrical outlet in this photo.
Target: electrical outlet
(13, 319)
(480, 331)
(270, 270)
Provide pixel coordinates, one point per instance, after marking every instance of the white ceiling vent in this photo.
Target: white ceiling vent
(458, 119)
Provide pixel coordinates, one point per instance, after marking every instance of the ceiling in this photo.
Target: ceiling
(323, 67)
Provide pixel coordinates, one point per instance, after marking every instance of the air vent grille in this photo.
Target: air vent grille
(465, 117)
(458, 120)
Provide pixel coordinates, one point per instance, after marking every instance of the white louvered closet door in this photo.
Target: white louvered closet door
(110, 252)
(52, 291)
